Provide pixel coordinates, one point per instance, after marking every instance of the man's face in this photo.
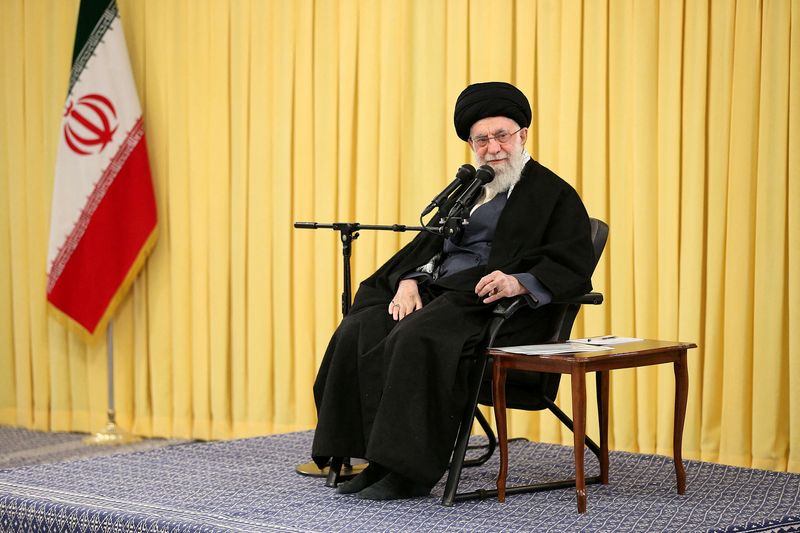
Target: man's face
(495, 153)
(504, 157)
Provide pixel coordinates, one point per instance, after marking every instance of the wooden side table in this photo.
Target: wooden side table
(629, 355)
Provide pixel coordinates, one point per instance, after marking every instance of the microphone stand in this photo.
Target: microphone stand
(340, 467)
(349, 233)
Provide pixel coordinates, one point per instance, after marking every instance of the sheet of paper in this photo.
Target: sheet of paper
(552, 348)
(605, 340)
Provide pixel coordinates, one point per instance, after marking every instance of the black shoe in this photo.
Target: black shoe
(371, 474)
(394, 487)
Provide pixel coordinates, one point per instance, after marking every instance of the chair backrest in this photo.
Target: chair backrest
(599, 231)
(568, 312)
(524, 390)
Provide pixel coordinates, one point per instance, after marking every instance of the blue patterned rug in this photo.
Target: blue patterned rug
(250, 485)
(23, 447)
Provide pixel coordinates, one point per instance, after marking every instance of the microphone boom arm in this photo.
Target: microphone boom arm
(349, 233)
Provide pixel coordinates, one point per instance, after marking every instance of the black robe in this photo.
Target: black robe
(393, 392)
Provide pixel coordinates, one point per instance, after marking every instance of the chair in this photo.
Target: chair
(543, 386)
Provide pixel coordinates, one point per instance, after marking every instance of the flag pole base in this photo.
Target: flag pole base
(111, 435)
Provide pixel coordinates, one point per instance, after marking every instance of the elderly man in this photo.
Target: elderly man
(392, 384)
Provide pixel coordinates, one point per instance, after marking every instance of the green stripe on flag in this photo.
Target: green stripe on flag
(94, 18)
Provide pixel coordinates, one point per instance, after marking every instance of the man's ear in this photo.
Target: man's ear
(523, 135)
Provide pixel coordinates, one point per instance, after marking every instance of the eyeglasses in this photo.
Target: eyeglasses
(501, 137)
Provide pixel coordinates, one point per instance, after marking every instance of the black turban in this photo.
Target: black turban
(490, 99)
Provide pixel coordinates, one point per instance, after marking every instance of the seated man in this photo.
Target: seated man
(392, 384)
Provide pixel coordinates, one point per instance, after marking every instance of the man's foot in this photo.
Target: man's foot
(394, 487)
(371, 474)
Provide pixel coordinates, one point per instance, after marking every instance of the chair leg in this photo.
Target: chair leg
(465, 428)
(450, 495)
(490, 446)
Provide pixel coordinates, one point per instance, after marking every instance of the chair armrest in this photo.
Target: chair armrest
(508, 306)
(503, 310)
(592, 298)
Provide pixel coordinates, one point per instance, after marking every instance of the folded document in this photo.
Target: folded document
(553, 348)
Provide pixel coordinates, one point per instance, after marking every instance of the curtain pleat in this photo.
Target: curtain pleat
(676, 121)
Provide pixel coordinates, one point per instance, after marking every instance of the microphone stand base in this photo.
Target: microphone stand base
(348, 471)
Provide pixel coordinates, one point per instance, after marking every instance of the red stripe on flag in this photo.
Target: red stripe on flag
(119, 228)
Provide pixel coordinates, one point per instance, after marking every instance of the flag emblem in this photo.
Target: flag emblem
(90, 124)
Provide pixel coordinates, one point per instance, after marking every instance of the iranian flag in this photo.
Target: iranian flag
(103, 222)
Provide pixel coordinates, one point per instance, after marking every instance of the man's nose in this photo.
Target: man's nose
(494, 146)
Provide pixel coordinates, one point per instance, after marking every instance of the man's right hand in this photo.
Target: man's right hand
(406, 300)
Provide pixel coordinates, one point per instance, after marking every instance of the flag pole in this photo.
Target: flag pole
(100, 238)
(111, 434)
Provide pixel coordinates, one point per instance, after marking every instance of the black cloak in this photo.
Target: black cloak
(393, 392)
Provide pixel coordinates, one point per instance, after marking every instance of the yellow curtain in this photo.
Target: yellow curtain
(678, 122)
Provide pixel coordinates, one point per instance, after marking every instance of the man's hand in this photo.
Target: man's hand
(498, 285)
(406, 300)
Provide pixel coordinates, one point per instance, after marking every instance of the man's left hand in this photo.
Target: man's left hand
(497, 285)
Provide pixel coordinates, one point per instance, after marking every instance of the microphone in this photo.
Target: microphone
(463, 175)
(484, 175)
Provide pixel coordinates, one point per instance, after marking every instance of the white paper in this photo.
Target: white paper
(552, 348)
(605, 340)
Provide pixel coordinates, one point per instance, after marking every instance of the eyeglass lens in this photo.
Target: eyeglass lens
(502, 137)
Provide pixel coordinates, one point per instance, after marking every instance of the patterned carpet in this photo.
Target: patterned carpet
(249, 485)
(23, 447)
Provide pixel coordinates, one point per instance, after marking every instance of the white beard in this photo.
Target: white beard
(508, 174)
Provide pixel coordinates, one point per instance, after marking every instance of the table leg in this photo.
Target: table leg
(602, 407)
(579, 425)
(499, 401)
(681, 395)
